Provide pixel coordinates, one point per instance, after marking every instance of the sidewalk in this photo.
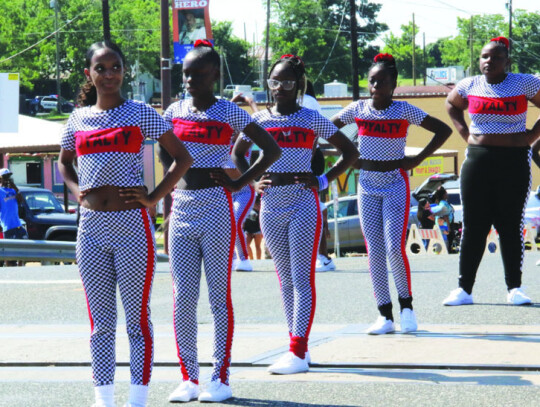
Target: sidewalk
(489, 352)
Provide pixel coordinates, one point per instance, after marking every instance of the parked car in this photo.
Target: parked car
(47, 103)
(351, 238)
(45, 217)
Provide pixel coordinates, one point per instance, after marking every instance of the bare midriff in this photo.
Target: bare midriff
(381, 166)
(500, 140)
(198, 178)
(107, 198)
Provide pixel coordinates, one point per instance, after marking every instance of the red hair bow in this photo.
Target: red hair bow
(502, 40)
(203, 43)
(292, 57)
(384, 57)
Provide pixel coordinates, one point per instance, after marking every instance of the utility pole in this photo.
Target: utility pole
(471, 47)
(354, 52)
(509, 7)
(266, 45)
(424, 63)
(56, 37)
(106, 20)
(165, 95)
(221, 73)
(413, 51)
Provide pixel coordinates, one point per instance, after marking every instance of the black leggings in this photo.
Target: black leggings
(495, 184)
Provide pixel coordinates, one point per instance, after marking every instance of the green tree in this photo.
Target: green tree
(319, 32)
(526, 42)
(24, 23)
(238, 63)
(456, 50)
(401, 49)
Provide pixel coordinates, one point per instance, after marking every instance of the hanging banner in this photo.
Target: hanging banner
(191, 22)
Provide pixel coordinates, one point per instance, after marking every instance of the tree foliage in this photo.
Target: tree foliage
(401, 49)
(319, 32)
(238, 63)
(23, 23)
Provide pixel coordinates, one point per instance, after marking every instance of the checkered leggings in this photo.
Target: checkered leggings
(383, 204)
(243, 202)
(118, 248)
(291, 224)
(202, 227)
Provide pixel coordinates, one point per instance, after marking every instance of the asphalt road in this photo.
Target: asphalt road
(44, 322)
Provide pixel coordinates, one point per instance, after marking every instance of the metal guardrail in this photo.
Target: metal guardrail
(44, 251)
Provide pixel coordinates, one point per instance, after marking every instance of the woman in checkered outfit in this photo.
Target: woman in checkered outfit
(383, 185)
(115, 241)
(202, 226)
(290, 216)
(496, 173)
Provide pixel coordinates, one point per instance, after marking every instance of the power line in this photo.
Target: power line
(333, 46)
(43, 39)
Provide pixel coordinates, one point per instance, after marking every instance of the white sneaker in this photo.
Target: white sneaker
(289, 364)
(381, 326)
(458, 297)
(516, 296)
(408, 321)
(308, 357)
(215, 391)
(242, 265)
(324, 264)
(186, 391)
(538, 263)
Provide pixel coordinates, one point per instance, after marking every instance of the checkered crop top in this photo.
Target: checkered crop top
(382, 134)
(207, 135)
(499, 108)
(296, 135)
(110, 144)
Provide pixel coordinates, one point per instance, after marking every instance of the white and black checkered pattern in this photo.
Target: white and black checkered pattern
(118, 248)
(112, 168)
(291, 222)
(202, 227)
(383, 206)
(381, 148)
(209, 155)
(243, 201)
(515, 84)
(230, 163)
(295, 159)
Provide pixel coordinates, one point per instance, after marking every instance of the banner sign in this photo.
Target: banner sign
(429, 166)
(191, 22)
(9, 103)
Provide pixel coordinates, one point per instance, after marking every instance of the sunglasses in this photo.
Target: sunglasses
(275, 84)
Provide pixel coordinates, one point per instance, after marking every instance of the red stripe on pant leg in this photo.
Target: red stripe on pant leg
(404, 230)
(148, 341)
(314, 252)
(183, 369)
(230, 314)
(239, 231)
